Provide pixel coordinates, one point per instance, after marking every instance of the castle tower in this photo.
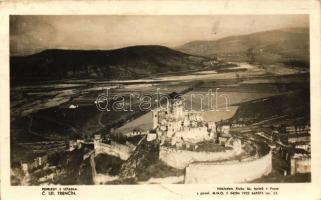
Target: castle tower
(178, 110)
(155, 118)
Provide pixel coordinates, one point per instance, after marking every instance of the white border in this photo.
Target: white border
(191, 7)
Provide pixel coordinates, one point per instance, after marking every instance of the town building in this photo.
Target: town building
(34, 163)
(300, 163)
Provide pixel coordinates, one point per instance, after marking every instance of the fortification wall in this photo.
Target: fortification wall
(194, 135)
(228, 172)
(87, 155)
(117, 150)
(180, 159)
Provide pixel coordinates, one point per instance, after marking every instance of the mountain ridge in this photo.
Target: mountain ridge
(286, 45)
(124, 63)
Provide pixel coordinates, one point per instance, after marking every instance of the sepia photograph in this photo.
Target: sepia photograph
(159, 99)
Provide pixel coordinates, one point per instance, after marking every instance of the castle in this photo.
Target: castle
(176, 126)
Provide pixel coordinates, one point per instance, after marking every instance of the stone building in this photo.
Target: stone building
(300, 163)
(34, 163)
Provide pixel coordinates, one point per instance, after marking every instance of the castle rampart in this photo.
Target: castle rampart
(229, 172)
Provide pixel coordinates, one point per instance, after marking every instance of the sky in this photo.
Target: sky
(34, 33)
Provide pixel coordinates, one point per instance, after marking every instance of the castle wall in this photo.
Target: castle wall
(87, 155)
(194, 135)
(228, 172)
(180, 159)
(114, 149)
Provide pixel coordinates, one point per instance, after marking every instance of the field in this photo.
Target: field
(67, 109)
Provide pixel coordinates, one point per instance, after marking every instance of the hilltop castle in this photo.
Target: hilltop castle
(175, 125)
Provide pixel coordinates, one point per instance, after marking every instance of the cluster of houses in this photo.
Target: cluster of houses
(293, 144)
(36, 162)
(38, 152)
